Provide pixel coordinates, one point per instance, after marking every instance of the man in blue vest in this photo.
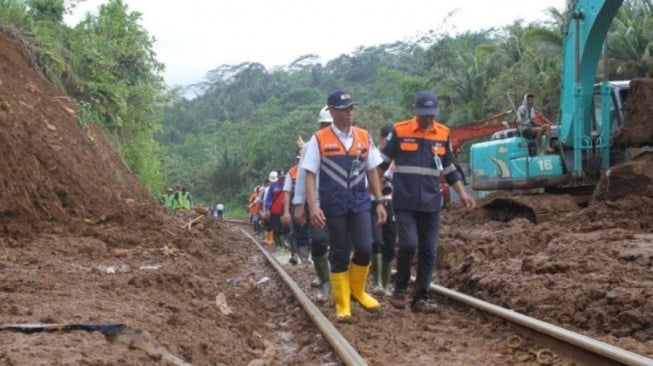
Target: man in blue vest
(345, 156)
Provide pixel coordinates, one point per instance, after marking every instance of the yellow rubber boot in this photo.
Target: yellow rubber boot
(270, 237)
(341, 295)
(357, 279)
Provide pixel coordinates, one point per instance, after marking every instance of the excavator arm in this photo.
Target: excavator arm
(583, 44)
(460, 134)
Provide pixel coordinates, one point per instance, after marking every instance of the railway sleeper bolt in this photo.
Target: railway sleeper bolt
(545, 356)
(515, 341)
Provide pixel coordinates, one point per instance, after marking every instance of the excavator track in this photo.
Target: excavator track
(535, 207)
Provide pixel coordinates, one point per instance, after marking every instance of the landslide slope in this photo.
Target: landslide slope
(55, 175)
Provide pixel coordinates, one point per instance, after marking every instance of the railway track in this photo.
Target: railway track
(554, 345)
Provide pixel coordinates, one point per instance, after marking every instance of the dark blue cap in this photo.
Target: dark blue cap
(426, 104)
(340, 100)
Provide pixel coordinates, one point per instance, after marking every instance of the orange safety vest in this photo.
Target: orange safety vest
(253, 209)
(420, 157)
(343, 172)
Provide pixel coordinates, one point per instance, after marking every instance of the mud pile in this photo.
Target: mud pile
(637, 129)
(82, 241)
(632, 178)
(55, 175)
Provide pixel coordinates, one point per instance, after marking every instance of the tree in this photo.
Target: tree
(630, 40)
(117, 83)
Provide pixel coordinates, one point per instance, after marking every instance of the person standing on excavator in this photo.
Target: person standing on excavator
(527, 126)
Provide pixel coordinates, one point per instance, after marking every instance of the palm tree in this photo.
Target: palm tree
(462, 70)
(630, 40)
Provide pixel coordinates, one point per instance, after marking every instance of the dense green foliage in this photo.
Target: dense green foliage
(246, 119)
(243, 120)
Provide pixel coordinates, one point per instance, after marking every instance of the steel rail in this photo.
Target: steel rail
(593, 351)
(347, 353)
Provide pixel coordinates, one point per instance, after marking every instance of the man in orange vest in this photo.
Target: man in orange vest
(421, 151)
(254, 210)
(299, 241)
(318, 237)
(344, 156)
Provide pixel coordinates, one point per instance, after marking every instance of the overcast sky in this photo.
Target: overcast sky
(195, 36)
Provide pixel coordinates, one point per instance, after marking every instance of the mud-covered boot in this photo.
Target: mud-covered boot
(376, 268)
(293, 247)
(357, 279)
(386, 270)
(303, 255)
(323, 273)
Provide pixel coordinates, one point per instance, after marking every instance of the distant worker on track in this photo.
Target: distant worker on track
(180, 198)
(169, 203)
(219, 209)
(274, 208)
(254, 210)
(299, 235)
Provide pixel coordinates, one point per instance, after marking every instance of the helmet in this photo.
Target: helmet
(169, 189)
(273, 177)
(325, 116)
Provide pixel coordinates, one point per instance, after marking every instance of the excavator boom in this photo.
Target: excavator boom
(460, 134)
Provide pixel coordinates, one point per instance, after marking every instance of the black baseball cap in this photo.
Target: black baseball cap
(426, 103)
(340, 99)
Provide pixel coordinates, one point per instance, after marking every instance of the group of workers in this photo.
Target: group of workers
(180, 198)
(354, 205)
(177, 199)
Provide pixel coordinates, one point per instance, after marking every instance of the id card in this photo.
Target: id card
(438, 162)
(355, 168)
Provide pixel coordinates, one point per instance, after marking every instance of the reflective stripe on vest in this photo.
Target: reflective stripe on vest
(416, 180)
(340, 190)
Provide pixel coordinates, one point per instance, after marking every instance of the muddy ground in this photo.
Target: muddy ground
(81, 241)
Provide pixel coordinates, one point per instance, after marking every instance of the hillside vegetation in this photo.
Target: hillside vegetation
(245, 119)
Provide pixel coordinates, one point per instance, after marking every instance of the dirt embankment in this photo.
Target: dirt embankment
(637, 129)
(56, 176)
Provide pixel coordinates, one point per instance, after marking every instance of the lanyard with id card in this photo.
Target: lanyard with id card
(436, 158)
(356, 164)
